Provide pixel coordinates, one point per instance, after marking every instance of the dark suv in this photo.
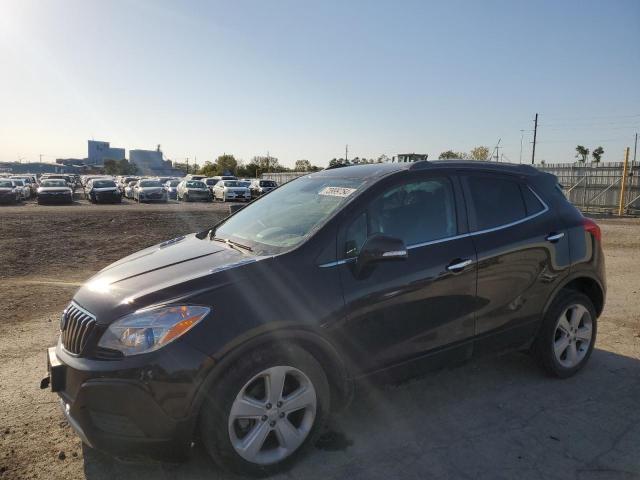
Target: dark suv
(247, 335)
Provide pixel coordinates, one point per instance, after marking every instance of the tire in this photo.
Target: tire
(216, 424)
(577, 310)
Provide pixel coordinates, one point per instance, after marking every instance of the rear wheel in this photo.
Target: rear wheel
(568, 334)
(261, 414)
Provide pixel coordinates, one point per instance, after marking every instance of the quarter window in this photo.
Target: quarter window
(495, 201)
(416, 212)
(531, 202)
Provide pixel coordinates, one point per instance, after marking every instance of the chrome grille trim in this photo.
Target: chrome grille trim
(76, 327)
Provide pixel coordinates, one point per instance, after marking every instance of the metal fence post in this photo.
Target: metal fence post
(623, 184)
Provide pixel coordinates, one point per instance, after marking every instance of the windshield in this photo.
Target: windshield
(18, 182)
(285, 217)
(103, 184)
(195, 184)
(232, 183)
(174, 183)
(267, 183)
(5, 184)
(211, 181)
(150, 183)
(54, 183)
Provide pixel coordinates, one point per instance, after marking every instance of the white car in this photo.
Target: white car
(23, 188)
(128, 190)
(189, 190)
(28, 181)
(231, 190)
(260, 187)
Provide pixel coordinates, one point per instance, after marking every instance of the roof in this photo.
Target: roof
(376, 170)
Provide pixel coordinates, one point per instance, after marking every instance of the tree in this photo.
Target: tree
(209, 169)
(479, 153)
(110, 167)
(266, 164)
(597, 154)
(339, 162)
(120, 167)
(450, 154)
(582, 153)
(226, 164)
(303, 166)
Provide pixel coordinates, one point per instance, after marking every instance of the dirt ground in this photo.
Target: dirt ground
(494, 418)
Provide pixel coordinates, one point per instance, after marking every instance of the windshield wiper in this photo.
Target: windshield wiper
(233, 244)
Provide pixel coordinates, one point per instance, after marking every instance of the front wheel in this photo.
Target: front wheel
(261, 414)
(567, 335)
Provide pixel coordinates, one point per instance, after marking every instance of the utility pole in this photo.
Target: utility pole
(346, 154)
(521, 138)
(40, 158)
(635, 147)
(187, 165)
(535, 133)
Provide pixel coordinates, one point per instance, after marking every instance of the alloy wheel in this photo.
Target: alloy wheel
(573, 335)
(272, 415)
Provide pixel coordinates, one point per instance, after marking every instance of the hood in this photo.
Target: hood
(170, 271)
(237, 189)
(151, 189)
(105, 189)
(6, 189)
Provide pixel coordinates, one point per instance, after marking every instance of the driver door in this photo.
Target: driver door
(407, 308)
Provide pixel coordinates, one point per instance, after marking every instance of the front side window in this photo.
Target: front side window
(415, 212)
(494, 202)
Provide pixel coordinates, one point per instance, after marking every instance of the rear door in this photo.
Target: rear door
(406, 308)
(519, 242)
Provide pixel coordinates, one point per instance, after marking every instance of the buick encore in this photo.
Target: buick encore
(245, 337)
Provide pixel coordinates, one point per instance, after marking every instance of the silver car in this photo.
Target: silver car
(149, 191)
(231, 190)
(193, 190)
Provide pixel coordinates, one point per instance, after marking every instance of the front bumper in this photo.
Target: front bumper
(55, 198)
(130, 407)
(107, 197)
(237, 196)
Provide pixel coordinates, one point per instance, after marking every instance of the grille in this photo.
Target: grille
(76, 327)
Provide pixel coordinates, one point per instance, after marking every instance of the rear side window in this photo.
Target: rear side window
(494, 202)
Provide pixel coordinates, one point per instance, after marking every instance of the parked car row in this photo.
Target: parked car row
(60, 188)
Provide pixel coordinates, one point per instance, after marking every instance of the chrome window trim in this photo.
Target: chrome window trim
(544, 210)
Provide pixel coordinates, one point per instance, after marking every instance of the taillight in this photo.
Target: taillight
(592, 227)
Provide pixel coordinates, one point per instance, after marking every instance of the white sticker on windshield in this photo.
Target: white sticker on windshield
(336, 191)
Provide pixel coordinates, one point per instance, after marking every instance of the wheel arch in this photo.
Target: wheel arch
(334, 366)
(586, 284)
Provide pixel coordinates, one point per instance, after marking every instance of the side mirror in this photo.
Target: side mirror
(379, 248)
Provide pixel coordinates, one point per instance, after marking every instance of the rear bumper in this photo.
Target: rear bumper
(117, 406)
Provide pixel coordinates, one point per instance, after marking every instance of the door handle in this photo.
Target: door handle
(459, 265)
(554, 237)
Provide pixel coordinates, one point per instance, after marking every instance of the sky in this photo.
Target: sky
(302, 79)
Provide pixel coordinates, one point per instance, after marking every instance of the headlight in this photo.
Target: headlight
(150, 329)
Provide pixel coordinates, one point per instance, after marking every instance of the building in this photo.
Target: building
(101, 151)
(409, 157)
(151, 162)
